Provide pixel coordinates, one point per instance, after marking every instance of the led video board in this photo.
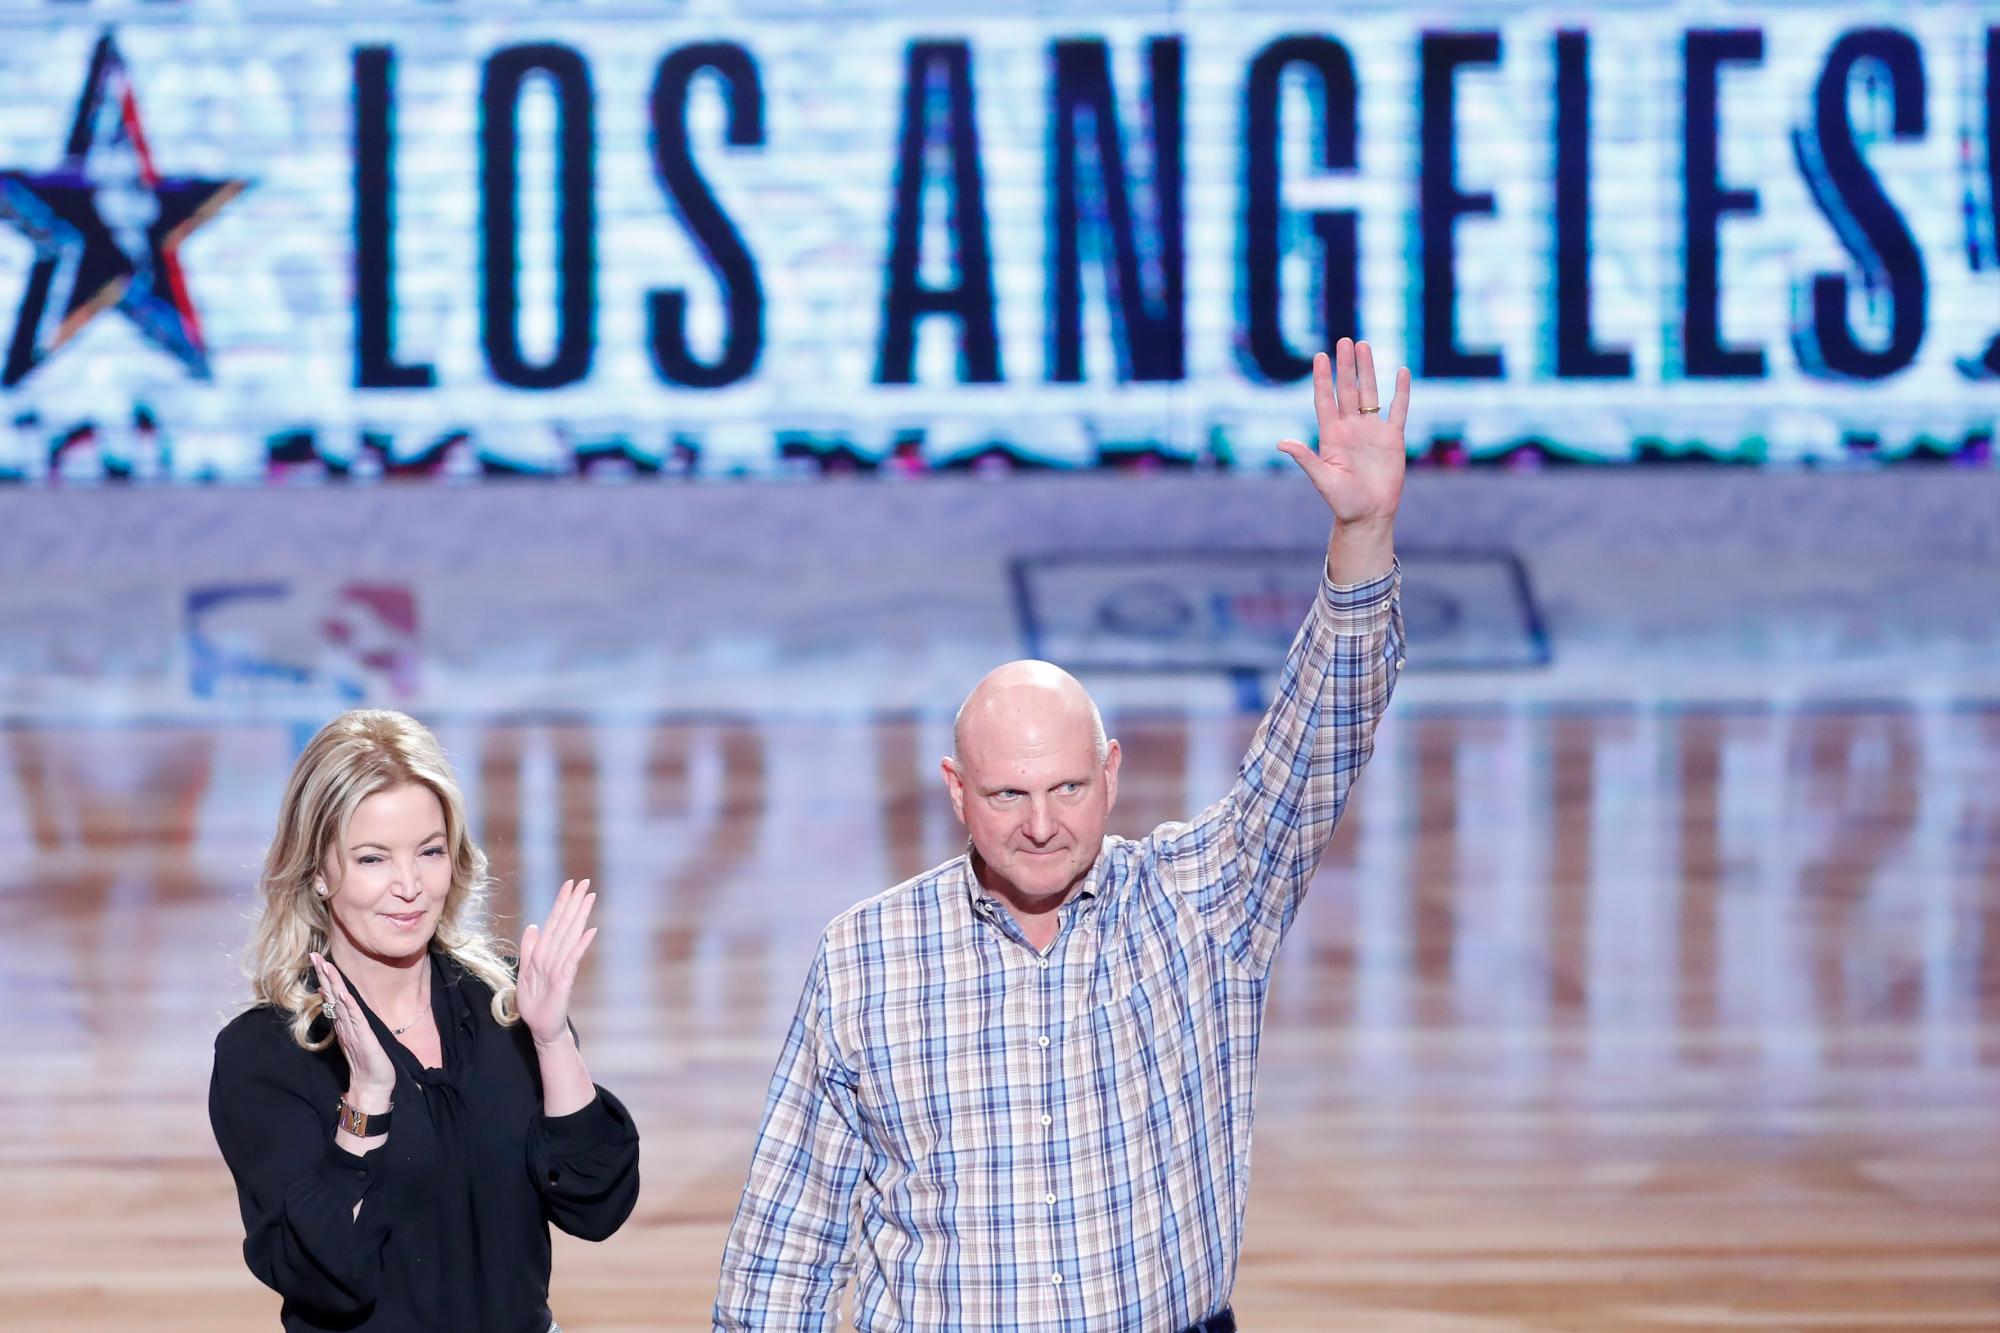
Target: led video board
(253, 241)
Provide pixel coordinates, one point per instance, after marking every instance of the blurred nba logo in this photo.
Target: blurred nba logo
(350, 642)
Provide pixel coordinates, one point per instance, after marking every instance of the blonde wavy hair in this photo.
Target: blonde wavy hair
(358, 754)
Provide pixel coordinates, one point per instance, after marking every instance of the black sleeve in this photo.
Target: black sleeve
(586, 1165)
(296, 1187)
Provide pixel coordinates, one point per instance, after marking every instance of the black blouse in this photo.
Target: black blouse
(455, 1206)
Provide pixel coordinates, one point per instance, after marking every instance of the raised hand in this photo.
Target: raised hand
(1358, 467)
(550, 954)
(371, 1077)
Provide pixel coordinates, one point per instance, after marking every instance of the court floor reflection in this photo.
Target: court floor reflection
(1607, 1020)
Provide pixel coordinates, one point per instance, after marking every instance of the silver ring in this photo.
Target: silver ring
(1366, 410)
(332, 1007)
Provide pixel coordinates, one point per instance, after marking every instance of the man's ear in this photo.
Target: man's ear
(954, 784)
(1111, 757)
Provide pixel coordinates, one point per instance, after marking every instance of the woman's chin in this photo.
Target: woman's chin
(398, 947)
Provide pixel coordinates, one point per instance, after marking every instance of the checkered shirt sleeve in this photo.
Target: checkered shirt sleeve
(1245, 861)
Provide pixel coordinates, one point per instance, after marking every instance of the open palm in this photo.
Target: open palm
(550, 954)
(1358, 467)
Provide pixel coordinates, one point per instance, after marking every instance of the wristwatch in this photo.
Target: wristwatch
(361, 1124)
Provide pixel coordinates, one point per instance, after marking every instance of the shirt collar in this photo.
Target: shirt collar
(1086, 895)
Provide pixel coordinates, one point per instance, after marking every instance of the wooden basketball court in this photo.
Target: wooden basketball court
(1597, 1020)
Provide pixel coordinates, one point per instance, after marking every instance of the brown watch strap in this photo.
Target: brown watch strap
(361, 1124)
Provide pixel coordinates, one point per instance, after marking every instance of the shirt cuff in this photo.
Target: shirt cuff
(1361, 608)
(347, 1174)
(602, 1121)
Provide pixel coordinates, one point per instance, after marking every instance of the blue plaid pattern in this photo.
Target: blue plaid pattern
(987, 1137)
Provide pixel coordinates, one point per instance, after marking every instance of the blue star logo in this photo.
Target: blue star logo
(107, 228)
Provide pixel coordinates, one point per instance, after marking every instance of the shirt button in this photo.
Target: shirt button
(1044, 962)
(1401, 663)
(1056, 1278)
(1044, 1041)
(1048, 1120)
(1048, 1198)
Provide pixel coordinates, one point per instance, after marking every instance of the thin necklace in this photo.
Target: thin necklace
(397, 1032)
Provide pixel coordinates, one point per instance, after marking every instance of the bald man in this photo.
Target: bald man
(1018, 1089)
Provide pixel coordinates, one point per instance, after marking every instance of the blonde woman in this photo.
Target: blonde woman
(404, 1114)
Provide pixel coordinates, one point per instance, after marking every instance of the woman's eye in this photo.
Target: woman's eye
(433, 851)
(371, 859)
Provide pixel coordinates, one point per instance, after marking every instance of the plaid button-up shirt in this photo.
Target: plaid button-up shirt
(986, 1136)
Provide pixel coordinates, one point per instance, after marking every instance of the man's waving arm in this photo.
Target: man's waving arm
(1248, 858)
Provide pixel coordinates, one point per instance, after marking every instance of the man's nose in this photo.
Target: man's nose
(1041, 822)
